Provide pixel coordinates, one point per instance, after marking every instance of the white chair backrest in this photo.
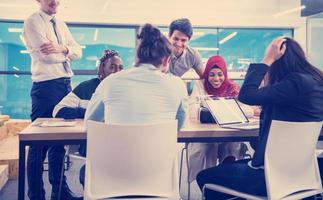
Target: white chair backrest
(290, 158)
(125, 160)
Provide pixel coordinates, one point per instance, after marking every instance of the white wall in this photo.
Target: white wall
(315, 41)
(223, 13)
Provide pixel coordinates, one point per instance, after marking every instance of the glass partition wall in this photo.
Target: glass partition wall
(238, 46)
(15, 81)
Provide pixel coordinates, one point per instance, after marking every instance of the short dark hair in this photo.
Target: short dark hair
(293, 60)
(153, 46)
(107, 54)
(183, 25)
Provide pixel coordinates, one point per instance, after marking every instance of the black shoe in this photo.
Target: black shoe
(66, 194)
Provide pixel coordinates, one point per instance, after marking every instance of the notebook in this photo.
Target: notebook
(228, 114)
(52, 123)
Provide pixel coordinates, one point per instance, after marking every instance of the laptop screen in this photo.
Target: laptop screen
(226, 111)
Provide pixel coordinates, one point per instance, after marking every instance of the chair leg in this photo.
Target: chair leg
(62, 172)
(180, 169)
(188, 170)
(203, 193)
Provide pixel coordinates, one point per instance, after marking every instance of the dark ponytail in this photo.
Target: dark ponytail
(153, 46)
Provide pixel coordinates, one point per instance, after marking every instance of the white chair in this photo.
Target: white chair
(291, 168)
(319, 149)
(131, 160)
(69, 152)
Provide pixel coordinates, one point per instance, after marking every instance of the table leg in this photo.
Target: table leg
(39, 170)
(21, 178)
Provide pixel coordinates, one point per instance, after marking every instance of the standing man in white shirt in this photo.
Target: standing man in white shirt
(183, 57)
(51, 48)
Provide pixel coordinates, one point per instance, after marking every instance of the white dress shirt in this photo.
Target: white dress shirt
(38, 29)
(139, 95)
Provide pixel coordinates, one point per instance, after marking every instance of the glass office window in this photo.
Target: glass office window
(15, 95)
(13, 55)
(240, 47)
(95, 39)
(249, 45)
(205, 41)
(15, 80)
(14, 86)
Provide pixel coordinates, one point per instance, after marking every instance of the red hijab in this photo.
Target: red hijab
(228, 87)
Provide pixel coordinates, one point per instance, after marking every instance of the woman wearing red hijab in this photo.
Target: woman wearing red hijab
(215, 83)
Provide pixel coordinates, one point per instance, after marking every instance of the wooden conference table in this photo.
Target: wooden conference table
(39, 136)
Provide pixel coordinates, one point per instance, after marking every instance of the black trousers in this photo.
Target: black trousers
(45, 96)
(237, 175)
(240, 176)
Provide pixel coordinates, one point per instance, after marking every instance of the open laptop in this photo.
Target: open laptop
(228, 114)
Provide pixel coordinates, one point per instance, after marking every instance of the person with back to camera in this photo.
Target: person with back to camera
(74, 104)
(215, 83)
(145, 93)
(291, 78)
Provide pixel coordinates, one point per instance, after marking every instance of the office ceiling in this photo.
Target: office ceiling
(114, 11)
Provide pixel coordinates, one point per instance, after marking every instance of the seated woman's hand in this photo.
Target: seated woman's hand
(256, 111)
